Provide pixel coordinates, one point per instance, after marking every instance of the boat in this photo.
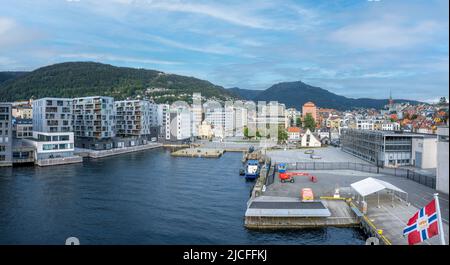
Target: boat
(252, 169)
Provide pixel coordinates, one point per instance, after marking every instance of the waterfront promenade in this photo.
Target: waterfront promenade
(115, 151)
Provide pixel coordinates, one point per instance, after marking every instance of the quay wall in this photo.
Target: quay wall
(118, 151)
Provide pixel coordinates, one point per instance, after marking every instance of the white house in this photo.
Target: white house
(309, 140)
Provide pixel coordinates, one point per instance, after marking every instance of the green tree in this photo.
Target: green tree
(309, 122)
(282, 135)
(246, 132)
(298, 122)
(258, 134)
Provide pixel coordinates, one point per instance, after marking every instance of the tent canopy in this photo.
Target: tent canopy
(372, 185)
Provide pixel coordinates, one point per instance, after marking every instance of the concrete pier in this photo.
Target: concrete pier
(59, 161)
(115, 151)
(266, 212)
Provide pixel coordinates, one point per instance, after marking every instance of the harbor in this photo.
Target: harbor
(334, 182)
(146, 197)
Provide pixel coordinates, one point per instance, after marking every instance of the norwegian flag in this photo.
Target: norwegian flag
(423, 225)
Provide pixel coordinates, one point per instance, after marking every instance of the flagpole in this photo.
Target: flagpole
(438, 212)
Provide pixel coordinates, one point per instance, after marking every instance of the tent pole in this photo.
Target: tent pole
(378, 195)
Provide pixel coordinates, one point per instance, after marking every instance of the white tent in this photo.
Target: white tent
(369, 186)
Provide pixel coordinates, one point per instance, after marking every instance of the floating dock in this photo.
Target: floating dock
(199, 152)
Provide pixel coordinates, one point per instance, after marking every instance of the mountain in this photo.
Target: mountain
(76, 79)
(247, 94)
(4, 76)
(295, 94)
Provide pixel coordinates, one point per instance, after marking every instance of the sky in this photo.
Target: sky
(360, 48)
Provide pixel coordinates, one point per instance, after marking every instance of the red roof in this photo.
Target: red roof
(293, 129)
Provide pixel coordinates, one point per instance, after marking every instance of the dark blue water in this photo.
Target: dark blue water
(140, 198)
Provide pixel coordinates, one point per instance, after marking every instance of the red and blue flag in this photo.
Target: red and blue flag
(423, 225)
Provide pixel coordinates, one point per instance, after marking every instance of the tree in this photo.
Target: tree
(246, 132)
(309, 122)
(298, 122)
(442, 101)
(282, 135)
(258, 135)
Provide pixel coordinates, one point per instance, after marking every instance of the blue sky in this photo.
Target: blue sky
(357, 48)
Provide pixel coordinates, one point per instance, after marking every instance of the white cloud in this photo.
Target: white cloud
(12, 34)
(382, 34)
(214, 49)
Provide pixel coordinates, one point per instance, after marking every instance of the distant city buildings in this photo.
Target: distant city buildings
(309, 108)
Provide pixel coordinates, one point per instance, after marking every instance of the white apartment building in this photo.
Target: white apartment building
(163, 118)
(52, 115)
(215, 115)
(230, 126)
(197, 111)
(240, 120)
(178, 124)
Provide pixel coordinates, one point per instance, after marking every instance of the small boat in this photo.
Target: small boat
(252, 169)
(241, 172)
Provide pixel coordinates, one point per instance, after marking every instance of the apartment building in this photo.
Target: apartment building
(229, 124)
(215, 115)
(94, 122)
(136, 118)
(52, 115)
(179, 124)
(5, 134)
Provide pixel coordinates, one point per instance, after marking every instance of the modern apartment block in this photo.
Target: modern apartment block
(136, 118)
(164, 120)
(383, 148)
(94, 122)
(5, 134)
(442, 160)
(52, 115)
(52, 137)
